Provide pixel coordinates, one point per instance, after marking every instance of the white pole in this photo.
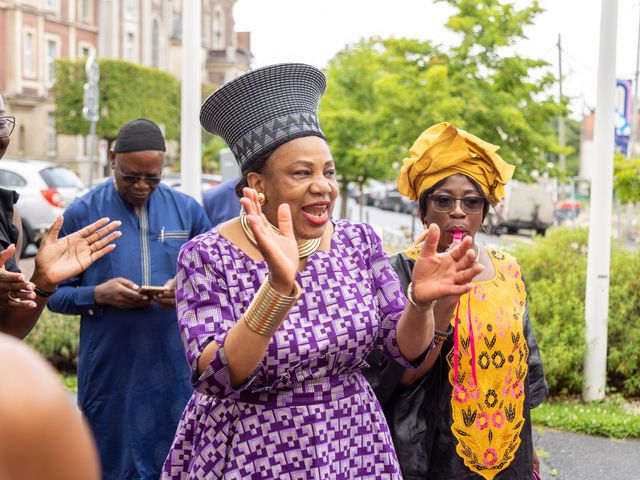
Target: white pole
(190, 133)
(598, 259)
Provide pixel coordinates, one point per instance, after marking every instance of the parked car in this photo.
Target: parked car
(567, 210)
(45, 190)
(174, 180)
(393, 200)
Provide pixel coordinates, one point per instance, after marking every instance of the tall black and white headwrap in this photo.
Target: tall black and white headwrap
(262, 109)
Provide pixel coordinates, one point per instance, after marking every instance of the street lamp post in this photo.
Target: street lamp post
(90, 108)
(599, 256)
(190, 130)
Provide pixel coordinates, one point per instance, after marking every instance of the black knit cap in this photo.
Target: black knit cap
(264, 108)
(140, 135)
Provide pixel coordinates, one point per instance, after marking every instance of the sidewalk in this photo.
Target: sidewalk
(573, 456)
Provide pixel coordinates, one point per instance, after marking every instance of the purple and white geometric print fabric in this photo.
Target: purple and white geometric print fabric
(306, 412)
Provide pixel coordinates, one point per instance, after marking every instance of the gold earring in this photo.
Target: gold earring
(262, 198)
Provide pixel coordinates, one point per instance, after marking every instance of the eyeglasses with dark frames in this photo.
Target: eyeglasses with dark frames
(131, 179)
(446, 203)
(7, 124)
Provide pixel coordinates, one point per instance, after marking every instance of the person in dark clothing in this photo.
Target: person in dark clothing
(465, 414)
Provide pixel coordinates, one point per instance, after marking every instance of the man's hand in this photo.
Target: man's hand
(120, 293)
(15, 290)
(167, 299)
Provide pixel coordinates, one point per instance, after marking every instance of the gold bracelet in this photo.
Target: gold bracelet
(269, 308)
(417, 306)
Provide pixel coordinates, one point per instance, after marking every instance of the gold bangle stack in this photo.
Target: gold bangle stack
(269, 308)
(417, 306)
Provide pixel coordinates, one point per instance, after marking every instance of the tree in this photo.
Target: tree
(382, 93)
(127, 92)
(505, 103)
(626, 180)
(211, 153)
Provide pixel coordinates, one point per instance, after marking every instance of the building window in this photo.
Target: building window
(218, 30)
(28, 54)
(51, 5)
(85, 52)
(50, 61)
(129, 8)
(128, 47)
(155, 44)
(51, 135)
(86, 12)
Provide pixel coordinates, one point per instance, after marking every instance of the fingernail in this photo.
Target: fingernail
(106, 218)
(135, 286)
(21, 278)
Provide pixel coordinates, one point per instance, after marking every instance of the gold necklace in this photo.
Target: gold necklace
(305, 248)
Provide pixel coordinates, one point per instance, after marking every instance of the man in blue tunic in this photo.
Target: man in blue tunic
(133, 379)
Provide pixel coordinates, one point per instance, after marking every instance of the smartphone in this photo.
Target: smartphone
(151, 291)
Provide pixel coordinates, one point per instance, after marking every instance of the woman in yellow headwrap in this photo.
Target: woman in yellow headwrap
(466, 413)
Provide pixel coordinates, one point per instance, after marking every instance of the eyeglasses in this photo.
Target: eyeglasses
(7, 125)
(445, 203)
(133, 179)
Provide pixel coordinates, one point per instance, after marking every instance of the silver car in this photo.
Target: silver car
(45, 190)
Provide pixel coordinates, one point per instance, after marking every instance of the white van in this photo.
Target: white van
(525, 206)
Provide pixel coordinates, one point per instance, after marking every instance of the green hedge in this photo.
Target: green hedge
(56, 337)
(555, 271)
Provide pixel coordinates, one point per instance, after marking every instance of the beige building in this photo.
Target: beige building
(33, 33)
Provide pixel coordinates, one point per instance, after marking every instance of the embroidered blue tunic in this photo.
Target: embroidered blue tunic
(133, 380)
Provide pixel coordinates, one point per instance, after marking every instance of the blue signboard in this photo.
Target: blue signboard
(623, 115)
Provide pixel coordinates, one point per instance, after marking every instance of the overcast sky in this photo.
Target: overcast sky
(312, 31)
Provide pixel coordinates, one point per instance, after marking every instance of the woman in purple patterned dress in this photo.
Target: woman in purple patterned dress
(277, 323)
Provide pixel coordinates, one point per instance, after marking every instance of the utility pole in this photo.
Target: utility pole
(190, 130)
(561, 127)
(633, 134)
(599, 255)
(90, 108)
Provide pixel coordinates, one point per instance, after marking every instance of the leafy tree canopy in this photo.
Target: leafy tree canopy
(626, 180)
(382, 93)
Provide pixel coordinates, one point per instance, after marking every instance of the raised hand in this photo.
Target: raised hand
(280, 250)
(15, 290)
(61, 258)
(437, 275)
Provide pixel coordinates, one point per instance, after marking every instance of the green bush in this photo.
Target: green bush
(56, 337)
(555, 271)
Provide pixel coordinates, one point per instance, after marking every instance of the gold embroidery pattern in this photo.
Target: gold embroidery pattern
(488, 418)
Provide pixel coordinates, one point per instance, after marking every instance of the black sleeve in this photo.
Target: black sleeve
(538, 388)
(384, 374)
(8, 231)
